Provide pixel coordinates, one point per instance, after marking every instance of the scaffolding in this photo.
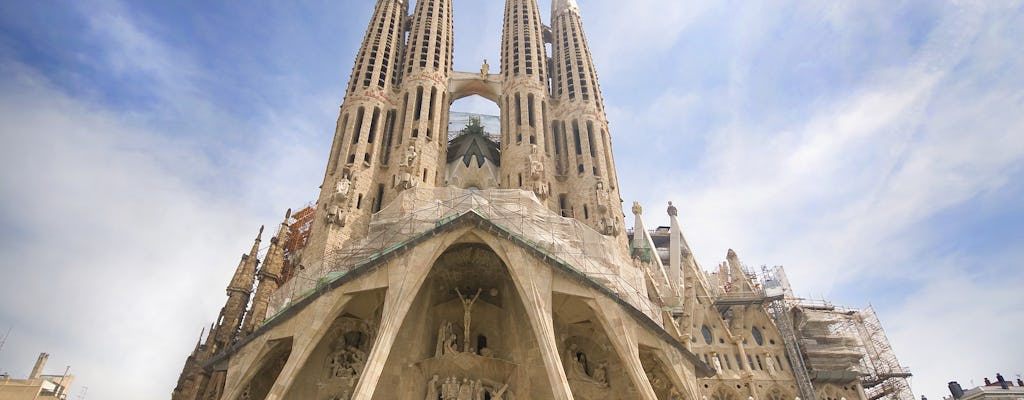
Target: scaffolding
(884, 376)
(519, 213)
(775, 284)
(300, 225)
(459, 123)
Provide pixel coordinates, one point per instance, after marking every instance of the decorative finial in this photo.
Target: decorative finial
(672, 210)
(637, 209)
(288, 214)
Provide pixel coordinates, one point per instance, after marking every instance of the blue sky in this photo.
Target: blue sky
(874, 148)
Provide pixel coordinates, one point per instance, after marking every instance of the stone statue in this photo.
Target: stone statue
(467, 306)
(577, 363)
(409, 158)
(446, 340)
(672, 210)
(601, 373)
(478, 390)
(465, 390)
(771, 363)
(535, 166)
(485, 69)
(341, 187)
(450, 389)
(336, 214)
(637, 209)
(432, 392)
(718, 362)
(347, 362)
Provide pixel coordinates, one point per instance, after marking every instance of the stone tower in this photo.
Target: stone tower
(590, 189)
(495, 265)
(357, 155)
(525, 147)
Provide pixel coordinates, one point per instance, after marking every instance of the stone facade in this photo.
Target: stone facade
(472, 269)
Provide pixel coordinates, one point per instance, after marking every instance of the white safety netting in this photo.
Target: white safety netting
(419, 210)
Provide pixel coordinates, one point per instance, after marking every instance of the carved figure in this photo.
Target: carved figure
(771, 363)
(602, 197)
(478, 390)
(432, 392)
(717, 361)
(577, 363)
(336, 215)
(467, 306)
(637, 209)
(601, 373)
(465, 390)
(409, 158)
(672, 210)
(408, 165)
(447, 392)
(342, 187)
(485, 69)
(445, 340)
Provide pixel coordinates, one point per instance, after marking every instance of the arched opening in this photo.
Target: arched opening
(334, 367)
(474, 136)
(270, 366)
(465, 330)
(462, 109)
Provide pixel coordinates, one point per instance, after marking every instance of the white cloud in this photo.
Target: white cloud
(106, 230)
(843, 196)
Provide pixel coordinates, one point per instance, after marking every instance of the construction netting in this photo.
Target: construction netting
(418, 210)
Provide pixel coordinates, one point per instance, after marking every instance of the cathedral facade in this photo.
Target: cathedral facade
(475, 266)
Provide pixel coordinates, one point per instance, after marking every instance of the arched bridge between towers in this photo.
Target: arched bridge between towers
(464, 84)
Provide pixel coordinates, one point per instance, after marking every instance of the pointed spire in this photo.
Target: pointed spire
(674, 248)
(199, 342)
(740, 282)
(256, 244)
(269, 279)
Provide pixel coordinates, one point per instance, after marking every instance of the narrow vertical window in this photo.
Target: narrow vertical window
(519, 111)
(359, 125)
(373, 125)
(576, 137)
(419, 102)
(529, 109)
(380, 198)
(433, 98)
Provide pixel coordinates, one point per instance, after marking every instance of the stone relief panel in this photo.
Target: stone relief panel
(272, 364)
(658, 376)
(587, 355)
(346, 358)
(466, 336)
(335, 365)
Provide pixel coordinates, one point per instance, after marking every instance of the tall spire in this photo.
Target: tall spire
(674, 249)
(269, 279)
(525, 145)
(589, 188)
(238, 292)
(364, 127)
(420, 142)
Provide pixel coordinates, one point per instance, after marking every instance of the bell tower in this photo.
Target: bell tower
(349, 191)
(588, 187)
(525, 143)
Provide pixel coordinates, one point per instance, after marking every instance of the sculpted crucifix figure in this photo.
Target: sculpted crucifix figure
(467, 306)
